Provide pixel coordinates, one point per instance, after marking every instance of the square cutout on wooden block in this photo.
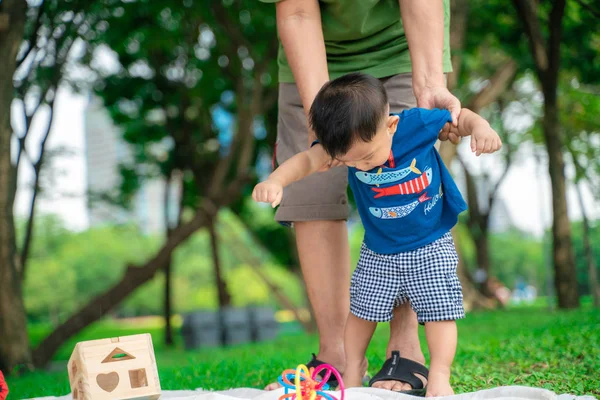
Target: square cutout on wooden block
(137, 378)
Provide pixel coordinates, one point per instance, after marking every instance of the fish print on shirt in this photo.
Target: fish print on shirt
(398, 211)
(416, 185)
(381, 178)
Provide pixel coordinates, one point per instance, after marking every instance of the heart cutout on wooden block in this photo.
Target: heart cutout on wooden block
(108, 382)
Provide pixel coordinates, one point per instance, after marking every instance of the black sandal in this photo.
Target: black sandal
(404, 370)
(314, 363)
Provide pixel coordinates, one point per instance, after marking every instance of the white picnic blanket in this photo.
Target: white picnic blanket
(500, 393)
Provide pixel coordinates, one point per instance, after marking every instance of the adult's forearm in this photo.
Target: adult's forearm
(423, 22)
(301, 33)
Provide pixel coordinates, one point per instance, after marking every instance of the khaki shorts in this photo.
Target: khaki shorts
(321, 196)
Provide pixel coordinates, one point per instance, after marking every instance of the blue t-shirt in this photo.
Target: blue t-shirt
(412, 200)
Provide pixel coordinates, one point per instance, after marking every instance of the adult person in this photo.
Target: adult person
(322, 40)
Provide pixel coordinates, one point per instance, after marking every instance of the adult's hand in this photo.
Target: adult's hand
(440, 97)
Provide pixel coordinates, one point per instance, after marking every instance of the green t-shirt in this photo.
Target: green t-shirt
(365, 36)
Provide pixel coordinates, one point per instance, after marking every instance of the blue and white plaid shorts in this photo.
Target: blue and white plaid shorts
(426, 277)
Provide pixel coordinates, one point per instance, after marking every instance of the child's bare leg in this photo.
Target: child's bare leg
(441, 339)
(356, 340)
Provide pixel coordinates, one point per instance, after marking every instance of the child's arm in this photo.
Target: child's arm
(483, 138)
(296, 168)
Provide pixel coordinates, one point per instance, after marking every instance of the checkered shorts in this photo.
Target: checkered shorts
(426, 277)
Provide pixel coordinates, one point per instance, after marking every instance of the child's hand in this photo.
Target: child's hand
(484, 140)
(449, 132)
(269, 191)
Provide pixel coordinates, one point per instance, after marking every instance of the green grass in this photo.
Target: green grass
(559, 351)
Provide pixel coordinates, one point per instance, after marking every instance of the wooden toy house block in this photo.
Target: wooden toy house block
(117, 368)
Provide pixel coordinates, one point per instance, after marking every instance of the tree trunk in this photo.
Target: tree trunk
(29, 230)
(588, 253)
(168, 306)
(472, 298)
(37, 169)
(547, 66)
(565, 276)
(483, 256)
(167, 299)
(477, 224)
(14, 343)
(224, 297)
(459, 14)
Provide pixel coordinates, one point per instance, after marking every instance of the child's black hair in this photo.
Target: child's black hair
(348, 109)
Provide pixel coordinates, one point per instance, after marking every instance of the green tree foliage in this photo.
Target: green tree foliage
(69, 268)
(178, 63)
(579, 119)
(496, 32)
(525, 260)
(547, 38)
(183, 76)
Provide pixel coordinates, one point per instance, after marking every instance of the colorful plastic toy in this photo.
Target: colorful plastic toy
(3, 387)
(308, 385)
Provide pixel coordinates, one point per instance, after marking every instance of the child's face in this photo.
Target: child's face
(368, 155)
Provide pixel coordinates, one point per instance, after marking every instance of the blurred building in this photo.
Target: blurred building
(105, 151)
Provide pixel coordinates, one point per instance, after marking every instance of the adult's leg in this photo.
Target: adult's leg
(325, 260)
(318, 208)
(405, 339)
(404, 326)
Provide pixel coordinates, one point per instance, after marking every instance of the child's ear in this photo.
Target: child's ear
(392, 124)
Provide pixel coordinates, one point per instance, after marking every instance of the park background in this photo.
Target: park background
(132, 132)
